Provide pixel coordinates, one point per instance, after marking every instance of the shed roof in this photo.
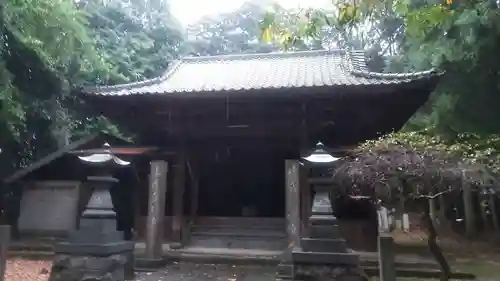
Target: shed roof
(262, 71)
(99, 138)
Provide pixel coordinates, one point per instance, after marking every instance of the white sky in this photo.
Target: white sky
(189, 11)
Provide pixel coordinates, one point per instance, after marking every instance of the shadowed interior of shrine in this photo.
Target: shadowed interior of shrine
(238, 181)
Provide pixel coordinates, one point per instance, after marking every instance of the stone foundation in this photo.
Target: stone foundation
(81, 268)
(329, 273)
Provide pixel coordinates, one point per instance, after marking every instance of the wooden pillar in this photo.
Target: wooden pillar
(195, 187)
(292, 196)
(305, 188)
(156, 209)
(178, 206)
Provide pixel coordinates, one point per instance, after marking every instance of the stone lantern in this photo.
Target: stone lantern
(324, 254)
(96, 250)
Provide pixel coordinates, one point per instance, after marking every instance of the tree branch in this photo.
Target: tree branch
(435, 195)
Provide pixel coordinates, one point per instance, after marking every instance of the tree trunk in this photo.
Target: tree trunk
(434, 247)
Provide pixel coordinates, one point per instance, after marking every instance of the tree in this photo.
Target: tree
(47, 47)
(457, 37)
(137, 39)
(239, 32)
(413, 167)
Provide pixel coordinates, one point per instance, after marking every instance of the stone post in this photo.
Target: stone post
(305, 201)
(387, 266)
(156, 209)
(4, 247)
(292, 216)
(292, 202)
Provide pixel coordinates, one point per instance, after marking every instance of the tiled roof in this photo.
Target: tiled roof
(261, 71)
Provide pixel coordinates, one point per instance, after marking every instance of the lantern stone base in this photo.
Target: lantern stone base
(81, 268)
(145, 264)
(103, 262)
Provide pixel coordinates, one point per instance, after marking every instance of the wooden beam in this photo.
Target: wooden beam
(271, 128)
(116, 150)
(195, 190)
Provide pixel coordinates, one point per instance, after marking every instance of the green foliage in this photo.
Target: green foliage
(409, 166)
(468, 148)
(459, 37)
(54, 29)
(239, 32)
(48, 47)
(36, 51)
(138, 41)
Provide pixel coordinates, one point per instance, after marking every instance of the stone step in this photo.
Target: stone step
(238, 232)
(42, 247)
(401, 264)
(419, 273)
(325, 258)
(233, 226)
(223, 258)
(241, 221)
(267, 243)
(324, 245)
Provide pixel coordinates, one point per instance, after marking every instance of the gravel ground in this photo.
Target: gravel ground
(197, 272)
(27, 270)
(37, 270)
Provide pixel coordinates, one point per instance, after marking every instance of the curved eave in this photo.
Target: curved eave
(259, 73)
(388, 84)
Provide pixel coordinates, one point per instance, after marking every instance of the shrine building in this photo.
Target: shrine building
(223, 127)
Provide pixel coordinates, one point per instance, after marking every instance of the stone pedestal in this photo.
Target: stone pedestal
(324, 255)
(96, 251)
(73, 268)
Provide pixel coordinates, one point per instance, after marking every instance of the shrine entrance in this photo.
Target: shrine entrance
(242, 198)
(243, 185)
